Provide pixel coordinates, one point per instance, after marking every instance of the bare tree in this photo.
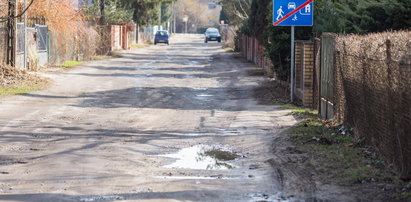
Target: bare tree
(197, 12)
(237, 10)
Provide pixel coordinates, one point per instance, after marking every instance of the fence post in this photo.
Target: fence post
(316, 74)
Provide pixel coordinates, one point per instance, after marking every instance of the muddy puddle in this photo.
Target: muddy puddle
(204, 95)
(267, 198)
(195, 177)
(192, 63)
(101, 198)
(10, 161)
(203, 157)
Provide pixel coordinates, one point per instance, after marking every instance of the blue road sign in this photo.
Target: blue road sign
(293, 12)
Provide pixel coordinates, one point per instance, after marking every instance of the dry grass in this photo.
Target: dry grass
(338, 157)
(17, 82)
(9, 75)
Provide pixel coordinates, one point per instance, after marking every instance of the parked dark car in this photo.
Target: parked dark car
(212, 34)
(162, 36)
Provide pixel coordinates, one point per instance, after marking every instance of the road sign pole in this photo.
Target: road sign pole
(25, 36)
(293, 13)
(292, 65)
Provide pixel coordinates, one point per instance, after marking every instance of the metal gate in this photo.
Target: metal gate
(42, 32)
(327, 76)
(42, 44)
(20, 44)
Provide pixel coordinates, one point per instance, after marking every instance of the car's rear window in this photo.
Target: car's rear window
(161, 33)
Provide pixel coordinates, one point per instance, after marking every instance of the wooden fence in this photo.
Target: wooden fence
(254, 51)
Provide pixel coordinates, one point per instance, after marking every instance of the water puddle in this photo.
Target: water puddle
(11, 161)
(149, 63)
(102, 198)
(203, 157)
(193, 177)
(204, 95)
(200, 89)
(268, 198)
(194, 134)
(188, 76)
(192, 63)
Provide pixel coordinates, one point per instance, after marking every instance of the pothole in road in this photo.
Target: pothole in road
(265, 197)
(192, 63)
(101, 198)
(203, 157)
(11, 161)
(200, 88)
(194, 177)
(204, 95)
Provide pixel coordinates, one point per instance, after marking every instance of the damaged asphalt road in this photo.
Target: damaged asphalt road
(163, 123)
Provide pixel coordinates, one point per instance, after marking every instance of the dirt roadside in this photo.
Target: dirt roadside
(322, 158)
(17, 82)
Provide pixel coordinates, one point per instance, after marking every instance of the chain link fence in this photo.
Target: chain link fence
(373, 91)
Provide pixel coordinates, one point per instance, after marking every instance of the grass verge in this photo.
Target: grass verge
(256, 72)
(135, 46)
(71, 63)
(101, 57)
(29, 84)
(341, 158)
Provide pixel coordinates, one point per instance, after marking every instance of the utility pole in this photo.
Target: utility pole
(102, 29)
(102, 18)
(11, 33)
(171, 21)
(25, 35)
(292, 64)
(185, 20)
(159, 16)
(175, 17)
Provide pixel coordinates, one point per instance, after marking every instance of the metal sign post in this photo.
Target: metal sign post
(185, 20)
(293, 13)
(25, 36)
(292, 64)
